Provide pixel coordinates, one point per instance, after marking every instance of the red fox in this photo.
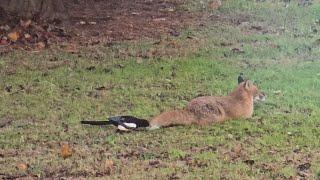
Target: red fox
(201, 111)
(211, 109)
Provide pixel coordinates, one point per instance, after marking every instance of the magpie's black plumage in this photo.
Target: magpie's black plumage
(241, 78)
(100, 123)
(120, 120)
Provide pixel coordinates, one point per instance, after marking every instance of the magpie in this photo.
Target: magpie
(123, 123)
(241, 78)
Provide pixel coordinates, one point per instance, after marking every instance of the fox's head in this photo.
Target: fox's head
(252, 89)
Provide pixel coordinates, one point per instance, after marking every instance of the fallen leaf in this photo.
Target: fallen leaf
(27, 36)
(66, 151)
(109, 163)
(215, 4)
(22, 166)
(40, 45)
(13, 36)
(25, 23)
(139, 60)
(109, 166)
(3, 42)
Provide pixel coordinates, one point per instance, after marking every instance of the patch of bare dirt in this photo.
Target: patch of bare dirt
(105, 21)
(115, 20)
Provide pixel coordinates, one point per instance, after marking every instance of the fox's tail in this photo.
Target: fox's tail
(171, 118)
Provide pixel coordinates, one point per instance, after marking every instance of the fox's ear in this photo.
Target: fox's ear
(240, 78)
(248, 84)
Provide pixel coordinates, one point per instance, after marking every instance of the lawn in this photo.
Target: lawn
(46, 94)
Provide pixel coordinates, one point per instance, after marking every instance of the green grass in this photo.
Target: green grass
(46, 104)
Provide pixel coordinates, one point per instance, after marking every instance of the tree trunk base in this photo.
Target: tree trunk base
(43, 9)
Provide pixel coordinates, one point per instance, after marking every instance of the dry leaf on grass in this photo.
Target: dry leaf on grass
(109, 163)
(25, 23)
(139, 60)
(215, 4)
(40, 45)
(66, 151)
(27, 36)
(109, 166)
(14, 36)
(3, 42)
(22, 166)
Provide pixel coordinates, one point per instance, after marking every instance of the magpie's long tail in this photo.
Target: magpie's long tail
(100, 123)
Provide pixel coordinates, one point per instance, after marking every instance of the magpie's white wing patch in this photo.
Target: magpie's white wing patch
(130, 125)
(122, 128)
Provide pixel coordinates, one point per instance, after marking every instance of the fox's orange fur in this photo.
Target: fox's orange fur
(210, 109)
